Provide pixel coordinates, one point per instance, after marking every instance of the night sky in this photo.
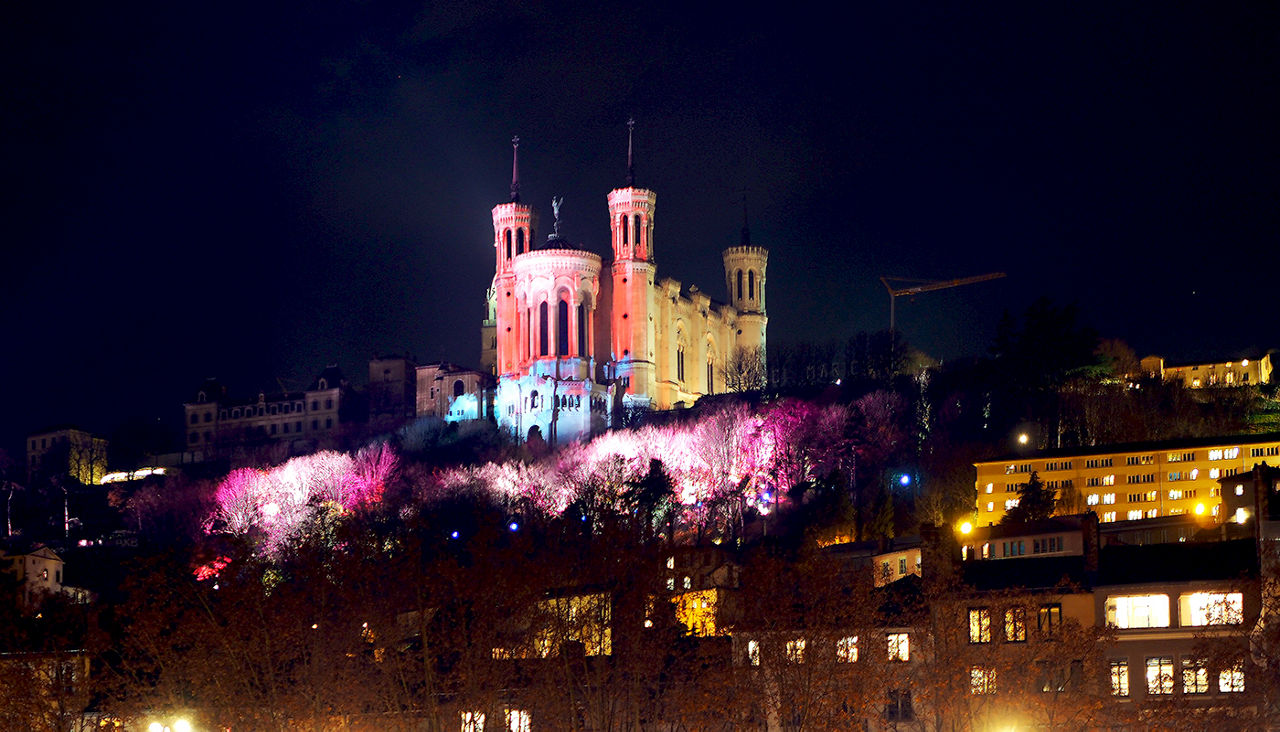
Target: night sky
(254, 191)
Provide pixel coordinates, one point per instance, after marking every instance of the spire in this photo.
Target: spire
(746, 231)
(515, 169)
(631, 167)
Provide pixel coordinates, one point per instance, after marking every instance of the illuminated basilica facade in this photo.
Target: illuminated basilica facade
(574, 339)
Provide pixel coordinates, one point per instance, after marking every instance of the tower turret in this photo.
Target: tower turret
(513, 227)
(631, 220)
(744, 272)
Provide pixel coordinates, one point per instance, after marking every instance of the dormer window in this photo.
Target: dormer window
(201, 397)
(323, 384)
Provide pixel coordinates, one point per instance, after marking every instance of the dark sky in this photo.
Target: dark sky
(255, 190)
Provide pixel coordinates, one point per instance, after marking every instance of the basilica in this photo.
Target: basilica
(575, 340)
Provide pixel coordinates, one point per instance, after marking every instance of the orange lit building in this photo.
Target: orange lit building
(1127, 481)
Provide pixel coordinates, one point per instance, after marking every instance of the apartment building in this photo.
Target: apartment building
(1130, 481)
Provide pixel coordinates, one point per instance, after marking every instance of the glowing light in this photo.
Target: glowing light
(155, 727)
(1199, 509)
(1244, 362)
(904, 480)
(513, 526)
(966, 527)
(126, 475)
(182, 725)
(315, 626)
(1241, 515)
(453, 535)
(1023, 438)
(271, 510)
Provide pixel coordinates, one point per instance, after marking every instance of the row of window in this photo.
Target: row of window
(274, 428)
(1015, 623)
(1195, 609)
(1229, 453)
(897, 646)
(1161, 680)
(261, 410)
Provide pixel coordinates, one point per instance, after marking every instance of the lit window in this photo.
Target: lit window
(1159, 675)
(1050, 619)
(847, 649)
(1134, 515)
(899, 645)
(1108, 480)
(1211, 608)
(688, 583)
(982, 680)
(1120, 678)
(473, 722)
(1231, 680)
(1138, 611)
(1108, 516)
(990, 487)
(671, 562)
(1215, 473)
(1015, 625)
(671, 583)
(979, 625)
(753, 652)
(1109, 498)
(795, 650)
(1093, 499)
(1239, 489)
(990, 506)
(1195, 676)
(518, 720)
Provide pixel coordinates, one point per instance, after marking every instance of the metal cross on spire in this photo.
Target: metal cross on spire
(515, 169)
(631, 167)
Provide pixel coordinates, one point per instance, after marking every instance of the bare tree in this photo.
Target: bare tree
(744, 370)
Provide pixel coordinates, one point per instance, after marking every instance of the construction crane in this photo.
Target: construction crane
(915, 287)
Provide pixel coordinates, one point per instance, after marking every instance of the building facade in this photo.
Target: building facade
(1129, 481)
(67, 451)
(1245, 372)
(217, 424)
(453, 393)
(573, 338)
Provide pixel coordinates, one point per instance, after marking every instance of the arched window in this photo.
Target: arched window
(739, 284)
(458, 388)
(542, 328)
(582, 330)
(562, 328)
(519, 241)
(623, 225)
(506, 235)
(751, 284)
(711, 375)
(636, 234)
(680, 362)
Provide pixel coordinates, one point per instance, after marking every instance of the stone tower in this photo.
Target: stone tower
(744, 272)
(513, 225)
(631, 219)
